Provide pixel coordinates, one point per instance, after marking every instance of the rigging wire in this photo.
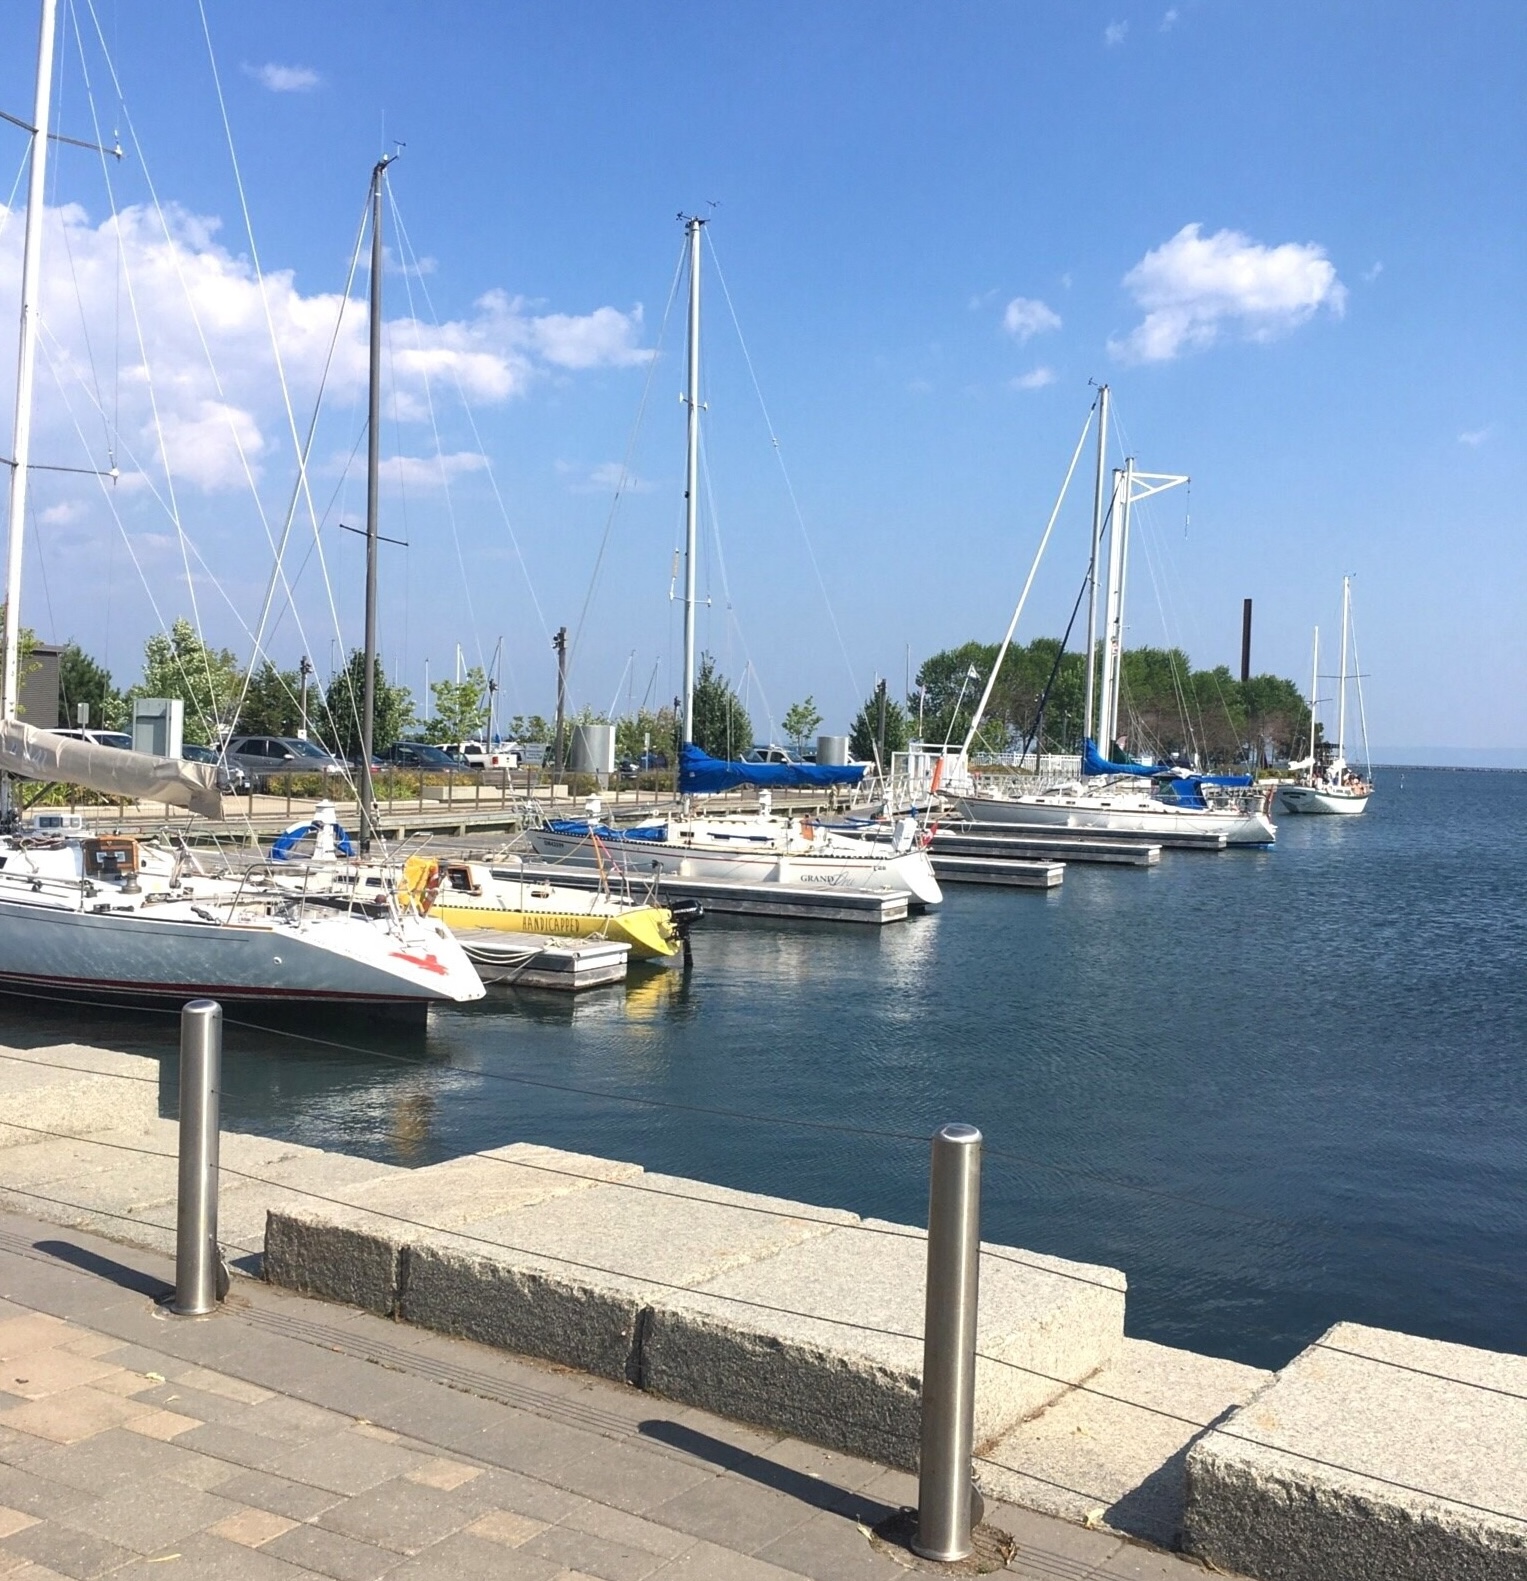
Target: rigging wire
(779, 455)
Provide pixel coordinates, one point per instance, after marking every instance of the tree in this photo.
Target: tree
(460, 708)
(722, 726)
(345, 700)
(865, 740)
(176, 663)
(801, 721)
(529, 727)
(273, 702)
(644, 731)
(82, 680)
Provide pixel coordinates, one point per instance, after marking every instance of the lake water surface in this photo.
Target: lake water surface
(1276, 1088)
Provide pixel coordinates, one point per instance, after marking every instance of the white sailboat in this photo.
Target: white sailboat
(739, 848)
(1324, 782)
(1123, 798)
(117, 918)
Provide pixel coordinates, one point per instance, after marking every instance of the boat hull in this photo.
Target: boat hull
(909, 873)
(336, 961)
(1308, 799)
(1120, 814)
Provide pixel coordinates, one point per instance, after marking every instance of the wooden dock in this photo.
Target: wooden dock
(962, 842)
(1007, 873)
(1068, 836)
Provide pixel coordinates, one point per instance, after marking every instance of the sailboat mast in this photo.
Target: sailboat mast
(1341, 701)
(1113, 621)
(367, 791)
(26, 361)
(692, 228)
(1088, 710)
(1314, 690)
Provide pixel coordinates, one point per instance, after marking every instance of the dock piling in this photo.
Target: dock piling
(198, 1263)
(948, 1506)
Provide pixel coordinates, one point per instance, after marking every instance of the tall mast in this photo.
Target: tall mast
(1112, 632)
(1314, 691)
(26, 362)
(692, 228)
(373, 470)
(1088, 711)
(1341, 702)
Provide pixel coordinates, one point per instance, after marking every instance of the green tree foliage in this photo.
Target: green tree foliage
(529, 727)
(722, 726)
(864, 739)
(949, 693)
(635, 731)
(176, 663)
(460, 711)
(273, 703)
(345, 699)
(82, 680)
(800, 722)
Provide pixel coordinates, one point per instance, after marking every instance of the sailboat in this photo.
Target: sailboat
(114, 918)
(1121, 797)
(1324, 782)
(738, 848)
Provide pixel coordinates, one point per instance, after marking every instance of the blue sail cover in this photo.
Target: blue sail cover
(1093, 762)
(703, 775)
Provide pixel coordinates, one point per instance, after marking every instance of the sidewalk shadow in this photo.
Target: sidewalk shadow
(89, 1262)
(815, 1491)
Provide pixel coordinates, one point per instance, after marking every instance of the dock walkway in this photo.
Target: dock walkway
(287, 1438)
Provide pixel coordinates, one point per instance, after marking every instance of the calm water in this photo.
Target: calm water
(1276, 1088)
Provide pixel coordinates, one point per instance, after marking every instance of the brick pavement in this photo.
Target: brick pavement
(288, 1438)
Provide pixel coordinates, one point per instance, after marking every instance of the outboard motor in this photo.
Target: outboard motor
(903, 835)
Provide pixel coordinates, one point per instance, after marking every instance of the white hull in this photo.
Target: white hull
(1315, 799)
(213, 937)
(1123, 812)
(758, 852)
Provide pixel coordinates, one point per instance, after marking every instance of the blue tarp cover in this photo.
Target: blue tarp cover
(1093, 762)
(703, 775)
(583, 828)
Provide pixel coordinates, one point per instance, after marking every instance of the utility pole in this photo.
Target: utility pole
(559, 642)
(305, 670)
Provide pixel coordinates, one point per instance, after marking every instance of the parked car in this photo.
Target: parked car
(99, 738)
(771, 754)
(645, 763)
(420, 755)
(231, 779)
(262, 758)
(487, 755)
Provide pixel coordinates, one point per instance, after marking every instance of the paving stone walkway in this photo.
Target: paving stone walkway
(287, 1438)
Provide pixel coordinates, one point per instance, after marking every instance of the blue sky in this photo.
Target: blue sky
(1290, 237)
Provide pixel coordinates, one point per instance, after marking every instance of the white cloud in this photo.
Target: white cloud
(1025, 317)
(1195, 287)
(1114, 34)
(1170, 19)
(431, 472)
(1474, 437)
(1372, 274)
(62, 514)
(284, 79)
(181, 274)
(1034, 379)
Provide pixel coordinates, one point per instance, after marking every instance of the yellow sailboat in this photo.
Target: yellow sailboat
(474, 895)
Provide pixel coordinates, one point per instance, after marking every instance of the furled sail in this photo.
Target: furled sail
(1093, 762)
(42, 755)
(702, 775)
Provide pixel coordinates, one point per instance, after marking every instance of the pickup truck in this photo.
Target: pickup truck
(483, 755)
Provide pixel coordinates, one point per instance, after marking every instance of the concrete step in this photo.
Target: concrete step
(1111, 1454)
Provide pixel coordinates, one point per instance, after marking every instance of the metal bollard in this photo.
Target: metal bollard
(198, 1263)
(947, 1502)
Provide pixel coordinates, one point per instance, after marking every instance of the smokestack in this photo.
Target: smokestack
(1246, 640)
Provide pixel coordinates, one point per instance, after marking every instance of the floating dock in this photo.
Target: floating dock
(1004, 872)
(525, 960)
(799, 902)
(1056, 834)
(963, 842)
